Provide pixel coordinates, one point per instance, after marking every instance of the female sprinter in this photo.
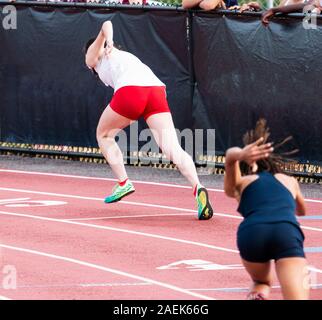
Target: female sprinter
(137, 93)
(268, 200)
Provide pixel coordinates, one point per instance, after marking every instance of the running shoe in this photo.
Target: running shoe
(120, 192)
(205, 211)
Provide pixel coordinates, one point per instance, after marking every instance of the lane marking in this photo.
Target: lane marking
(173, 214)
(313, 286)
(134, 203)
(84, 285)
(27, 202)
(35, 203)
(4, 298)
(311, 218)
(5, 201)
(311, 228)
(131, 203)
(160, 184)
(106, 269)
(150, 235)
(115, 180)
(199, 265)
(133, 216)
(152, 216)
(95, 199)
(313, 249)
(311, 268)
(193, 213)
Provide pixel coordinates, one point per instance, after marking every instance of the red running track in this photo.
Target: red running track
(62, 242)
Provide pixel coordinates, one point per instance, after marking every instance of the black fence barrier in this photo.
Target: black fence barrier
(49, 96)
(245, 71)
(222, 70)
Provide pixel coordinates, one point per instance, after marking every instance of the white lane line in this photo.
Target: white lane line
(106, 269)
(103, 179)
(313, 286)
(131, 203)
(315, 269)
(313, 200)
(312, 229)
(114, 180)
(135, 204)
(132, 216)
(95, 226)
(95, 199)
(4, 298)
(85, 285)
(5, 201)
(150, 216)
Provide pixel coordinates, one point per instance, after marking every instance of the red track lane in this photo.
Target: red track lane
(134, 245)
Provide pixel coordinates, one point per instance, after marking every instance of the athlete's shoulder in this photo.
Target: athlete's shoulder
(289, 182)
(286, 178)
(245, 181)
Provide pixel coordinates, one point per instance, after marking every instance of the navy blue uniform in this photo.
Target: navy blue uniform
(270, 229)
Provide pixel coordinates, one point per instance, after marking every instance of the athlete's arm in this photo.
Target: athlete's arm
(251, 6)
(107, 29)
(284, 9)
(96, 49)
(300, 204)
(232, 179)
(249, 154)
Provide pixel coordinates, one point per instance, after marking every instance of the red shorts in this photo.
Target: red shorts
(134, 102)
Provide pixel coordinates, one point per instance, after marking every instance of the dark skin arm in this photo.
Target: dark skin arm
(283, 9)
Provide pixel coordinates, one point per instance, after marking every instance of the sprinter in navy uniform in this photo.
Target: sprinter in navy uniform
(268, 201)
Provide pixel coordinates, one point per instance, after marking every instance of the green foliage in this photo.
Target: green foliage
(172, 2)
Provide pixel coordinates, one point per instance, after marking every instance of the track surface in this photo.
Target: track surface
(63, 242)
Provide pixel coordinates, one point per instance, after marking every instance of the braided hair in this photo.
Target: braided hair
(275, 163)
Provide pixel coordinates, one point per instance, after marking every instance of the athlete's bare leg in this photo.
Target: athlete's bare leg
(164, 132)
(109, 125)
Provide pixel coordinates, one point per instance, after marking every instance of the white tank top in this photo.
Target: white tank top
(122, 69)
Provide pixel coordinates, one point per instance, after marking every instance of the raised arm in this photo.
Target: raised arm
(96, 49)
(232, 179)
(250, 154)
